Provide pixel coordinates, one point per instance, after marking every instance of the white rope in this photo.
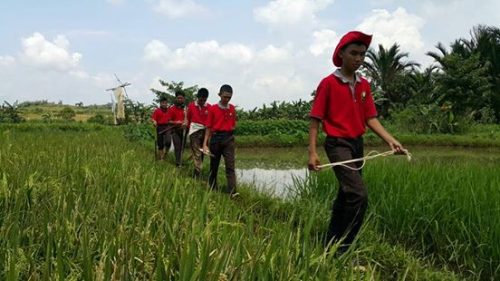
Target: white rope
(372, 154)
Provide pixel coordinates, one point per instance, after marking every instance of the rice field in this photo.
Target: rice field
(86, 204)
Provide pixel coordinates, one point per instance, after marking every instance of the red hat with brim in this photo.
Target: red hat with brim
(348, 38)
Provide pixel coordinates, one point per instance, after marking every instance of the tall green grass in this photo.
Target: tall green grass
(89, 205)
(446, 209)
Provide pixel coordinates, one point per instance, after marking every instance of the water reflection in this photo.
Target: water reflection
(273, 181)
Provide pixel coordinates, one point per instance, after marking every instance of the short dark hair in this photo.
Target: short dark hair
(180, 93)
(202, 93)
(354, 43)
(163, 98)
(226, 88)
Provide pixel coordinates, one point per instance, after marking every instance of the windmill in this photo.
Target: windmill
(118, 100)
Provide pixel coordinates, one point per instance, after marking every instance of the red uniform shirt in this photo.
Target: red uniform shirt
(197, 114)
(160, 116)
(343, 112)
(221, 119)
(175, 114)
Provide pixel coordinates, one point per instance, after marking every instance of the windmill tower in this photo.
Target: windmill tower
(118, 100)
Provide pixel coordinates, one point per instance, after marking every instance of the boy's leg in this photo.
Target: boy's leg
(160, 143)
(196, 140)
(214, 164)
(177, 140)
(352, 199)
(229, 155)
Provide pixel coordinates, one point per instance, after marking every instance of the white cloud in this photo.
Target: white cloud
(258, 75)
(198, 54)
(53, 55)
(7, 60)
(279, 87)
(324, 42)
(399, 26)
(175, 9)
(274, 54)
(290, 12)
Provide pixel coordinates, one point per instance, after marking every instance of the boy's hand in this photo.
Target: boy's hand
(397, 147)
(206, 150)
(313, 162)
(155, 124)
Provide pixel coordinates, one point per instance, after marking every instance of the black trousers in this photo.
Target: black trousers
(222, 145)
(163, 137)
(178, 140)
(349, 207)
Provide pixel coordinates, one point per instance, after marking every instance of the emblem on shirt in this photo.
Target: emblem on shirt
(363, 96)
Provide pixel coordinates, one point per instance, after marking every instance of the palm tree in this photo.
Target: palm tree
(484, 46)
(438, 57)
(485, 41)
(462, 81)
(421, 86)
(386, 68)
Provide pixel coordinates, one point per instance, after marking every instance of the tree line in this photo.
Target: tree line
(461, 86)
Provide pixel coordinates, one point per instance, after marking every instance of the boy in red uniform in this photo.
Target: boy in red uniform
(197, 114)
(220, 126)
(176, 117)
(344, 105)
(163, 136)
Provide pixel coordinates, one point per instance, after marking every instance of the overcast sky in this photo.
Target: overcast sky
(267, 50)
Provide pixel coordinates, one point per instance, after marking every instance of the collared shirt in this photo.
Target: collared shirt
(197, 114)
(343, 106)
(160, 116)
(175, 114)
(352, 84)
(221, 119)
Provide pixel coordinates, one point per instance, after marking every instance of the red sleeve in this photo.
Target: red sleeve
(210, 118)
(235, 117)
(170, 114)
(154, 116)
(320, 102)
(369, 106)
(189, 114)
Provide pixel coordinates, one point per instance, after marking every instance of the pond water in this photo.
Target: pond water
(276, 170)
(275, 182)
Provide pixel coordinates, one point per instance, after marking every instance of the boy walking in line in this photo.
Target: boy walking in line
(197, 114)
(176, 117)
(344, 106)
(220, 126)
(163, 136)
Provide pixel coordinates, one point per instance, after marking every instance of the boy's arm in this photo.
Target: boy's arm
(313, 135)
(208, 135)
(376, 127)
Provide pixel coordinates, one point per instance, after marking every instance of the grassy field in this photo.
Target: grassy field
(83, 113)
(84, 203)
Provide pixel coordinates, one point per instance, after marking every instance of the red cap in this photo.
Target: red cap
(349, 37)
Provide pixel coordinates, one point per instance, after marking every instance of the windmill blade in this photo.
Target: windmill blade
(123, 85)
(117, 79)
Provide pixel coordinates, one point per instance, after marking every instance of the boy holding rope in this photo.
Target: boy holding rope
(176, 117)
(197, 114)
(344, 106)
(160, 122)
(221, 123)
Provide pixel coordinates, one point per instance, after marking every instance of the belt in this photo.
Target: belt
(223, 132)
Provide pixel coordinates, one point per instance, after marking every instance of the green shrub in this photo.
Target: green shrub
(430, 119)
(99, 119)
(67, 113)
(272, 127)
